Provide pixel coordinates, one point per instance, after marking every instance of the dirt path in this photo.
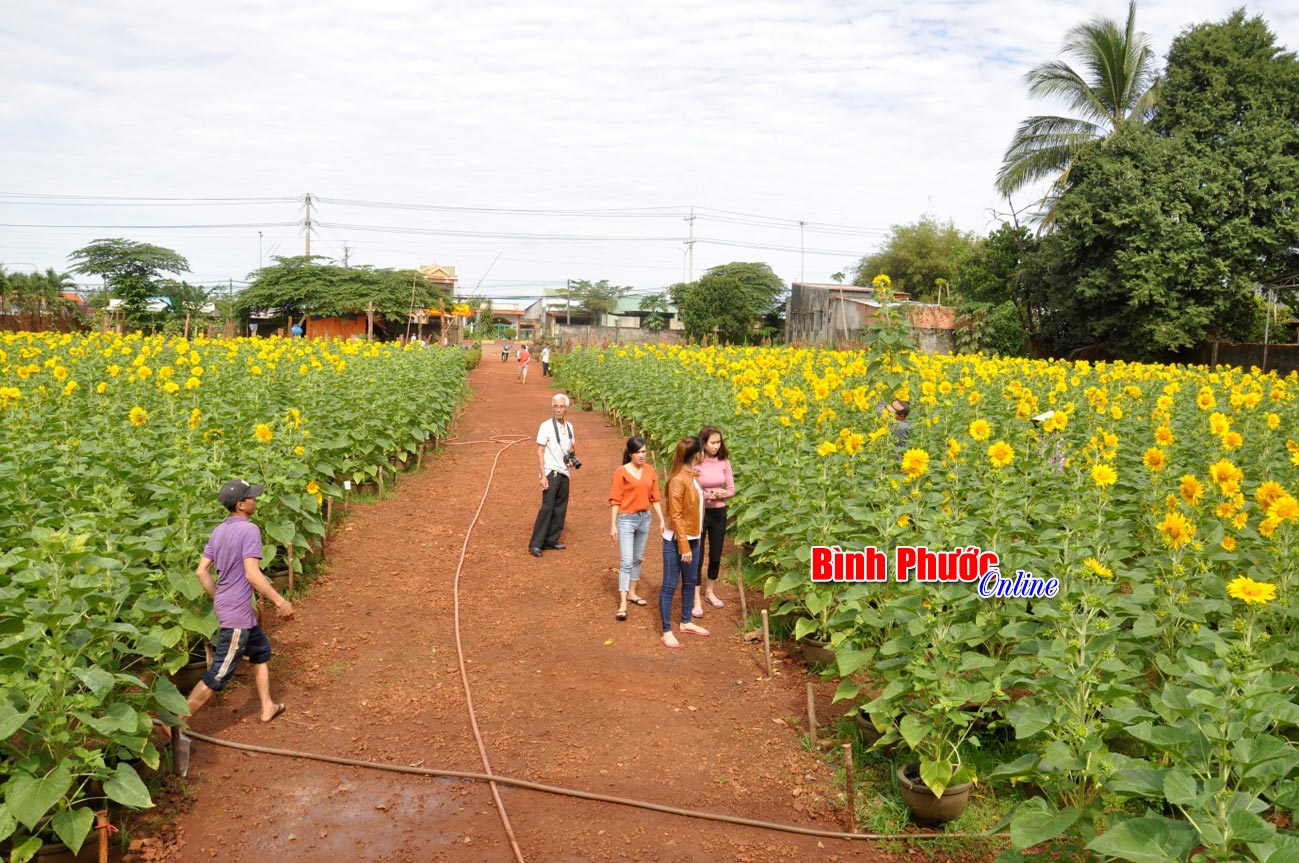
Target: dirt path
(564, 693)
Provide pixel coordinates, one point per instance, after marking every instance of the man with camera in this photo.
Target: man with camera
(554, 455)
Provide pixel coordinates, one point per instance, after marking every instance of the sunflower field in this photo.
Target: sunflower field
(113, 450)
(1150, 705)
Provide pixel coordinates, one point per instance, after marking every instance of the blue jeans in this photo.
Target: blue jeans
(633, 533)
(687, 573)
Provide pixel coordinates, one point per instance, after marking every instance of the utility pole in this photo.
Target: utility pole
(261, 261)
(690, 244)
(307, 224)
(568, 300)
(346, 253)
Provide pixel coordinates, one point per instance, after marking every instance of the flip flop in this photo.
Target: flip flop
(279, 708)
(715, 602)
(621, 615)
(699, 613)
(637, 600)
(676, 646)
(696, 629)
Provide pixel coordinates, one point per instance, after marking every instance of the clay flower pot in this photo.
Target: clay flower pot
(200, 659)
(925, 807)
(815, 651)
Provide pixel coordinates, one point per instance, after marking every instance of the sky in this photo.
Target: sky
(524, 143)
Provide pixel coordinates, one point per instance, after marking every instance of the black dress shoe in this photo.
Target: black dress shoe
(559, 546)
(536, 552)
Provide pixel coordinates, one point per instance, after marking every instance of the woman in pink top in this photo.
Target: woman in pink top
(715, 478)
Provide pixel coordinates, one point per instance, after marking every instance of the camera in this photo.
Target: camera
(570, 457)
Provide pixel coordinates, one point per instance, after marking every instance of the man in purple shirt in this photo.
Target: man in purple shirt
(236, 549)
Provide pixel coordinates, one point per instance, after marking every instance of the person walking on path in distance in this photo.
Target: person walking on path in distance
(554, 454)
(525, 357)
(718, 483)
(545, 361)
(505, 352)
(685, 524)
(235, 549)
(633, 492)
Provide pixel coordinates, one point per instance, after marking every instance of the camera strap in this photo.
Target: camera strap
(559, 440)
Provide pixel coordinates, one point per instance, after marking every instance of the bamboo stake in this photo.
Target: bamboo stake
(102, 827)
(329, 516)
(290, 555)
(850, 780)
(380, 480)
(811, 714)
(739, 581)
(766, 641)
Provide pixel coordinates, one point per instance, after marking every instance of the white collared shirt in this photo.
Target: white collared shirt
(555, 447)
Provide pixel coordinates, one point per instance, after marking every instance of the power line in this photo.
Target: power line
(627, 212)
(775, 248)
(153, 227)
(47, 198)
(499, 235)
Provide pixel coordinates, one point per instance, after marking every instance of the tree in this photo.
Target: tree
(657, 307)
(184, 299)
(597, 298)
(130, 270)
(1230, 97)
(728, 300)
(1130, 262)
(995, 310)
(299, 286)
(1114, 87)
(916, 257)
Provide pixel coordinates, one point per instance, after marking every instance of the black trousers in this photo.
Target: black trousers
(554, 506)
(714, 534)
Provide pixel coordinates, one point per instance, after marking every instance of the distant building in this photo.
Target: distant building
(821, 313)
(441, 275)
(554, 312)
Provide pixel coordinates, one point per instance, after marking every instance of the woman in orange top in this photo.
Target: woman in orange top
(634, 491)
(681, 539)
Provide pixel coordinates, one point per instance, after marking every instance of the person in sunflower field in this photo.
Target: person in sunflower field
(235, 549)
(525, 357)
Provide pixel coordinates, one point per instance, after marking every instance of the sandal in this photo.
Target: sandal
(714, 602)
(637, 600)
(621, 615)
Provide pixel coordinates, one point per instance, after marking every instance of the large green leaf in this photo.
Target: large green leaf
(72, 826)
(125, 787)
(1036, 821)
(936, 775)
(1249, 827)
(97, 680)
(850, 661)
(169, 698)
(1150, 839)
(29, 798)
(11, 720)
(914, 730)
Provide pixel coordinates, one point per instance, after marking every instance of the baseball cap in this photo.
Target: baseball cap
(236, 490)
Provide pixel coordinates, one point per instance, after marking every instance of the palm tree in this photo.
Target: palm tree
(1116, 86)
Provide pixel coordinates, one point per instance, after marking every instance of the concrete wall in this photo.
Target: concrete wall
(591, 335)
(1281, 359)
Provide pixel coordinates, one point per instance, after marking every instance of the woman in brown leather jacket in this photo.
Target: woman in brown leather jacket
(685, 519)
